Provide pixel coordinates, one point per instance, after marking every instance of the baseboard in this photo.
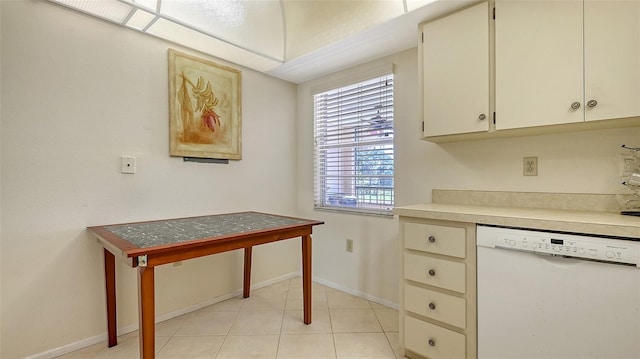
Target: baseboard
(357, 293)
(83, 343)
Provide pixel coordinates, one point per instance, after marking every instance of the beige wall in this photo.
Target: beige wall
(77, 93)
(580, 162)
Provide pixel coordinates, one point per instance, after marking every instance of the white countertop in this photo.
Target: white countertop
(602, 223)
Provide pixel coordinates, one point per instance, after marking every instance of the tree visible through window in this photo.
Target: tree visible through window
(354, 154)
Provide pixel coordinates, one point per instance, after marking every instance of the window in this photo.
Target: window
(353, 143)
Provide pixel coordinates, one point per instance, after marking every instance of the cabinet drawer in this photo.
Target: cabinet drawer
(435, 239)
(439, 306)
(432, 341)
(433, 271)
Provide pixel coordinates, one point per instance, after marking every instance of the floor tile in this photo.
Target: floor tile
(282, 285)
(393, 342)
(362, 346)
(207, 323)
(249, 347)
(295, 300)
(354, 321)
(377, 305)
(265, 299)
(169, 327)
(293, 322)
(257, 322)
(191, 347)
(295, 285)
(307, 346)
(388, 318)
(342, 300)
(232, 304)
(85, 353)
(128, 349)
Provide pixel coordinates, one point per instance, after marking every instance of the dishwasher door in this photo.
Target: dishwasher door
(538, 306)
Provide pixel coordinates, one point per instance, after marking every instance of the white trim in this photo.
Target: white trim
(86, 342)
(357, 293)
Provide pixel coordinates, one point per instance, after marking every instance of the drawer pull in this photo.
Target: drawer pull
(432, 343)
(432, 272)
(432, 239)
(432, 306)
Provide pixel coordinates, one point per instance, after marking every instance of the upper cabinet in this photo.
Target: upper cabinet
(455, 72)
(612, 59)
(560, 62)
(511, 67)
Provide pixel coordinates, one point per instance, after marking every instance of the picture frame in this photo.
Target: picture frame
(205, 108)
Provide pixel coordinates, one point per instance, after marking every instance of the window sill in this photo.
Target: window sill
(363, 212)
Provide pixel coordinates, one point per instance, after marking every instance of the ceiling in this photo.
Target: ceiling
(294, 40)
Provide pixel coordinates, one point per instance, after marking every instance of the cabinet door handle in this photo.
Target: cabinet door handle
(432, 239)
(592, 103)
(432, 306)
(482, 117)
(432, 272)
(432, 343)
(575, 105)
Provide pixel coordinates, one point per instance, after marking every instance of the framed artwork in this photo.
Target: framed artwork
(205, 108)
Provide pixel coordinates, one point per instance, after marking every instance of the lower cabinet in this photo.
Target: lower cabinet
(438, 289)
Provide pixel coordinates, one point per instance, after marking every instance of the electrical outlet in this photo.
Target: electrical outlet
(349, 245)
(530, 166)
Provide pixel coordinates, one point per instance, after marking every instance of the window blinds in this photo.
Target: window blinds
(353, 142)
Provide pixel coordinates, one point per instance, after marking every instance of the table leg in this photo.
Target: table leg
(110, 283)
(306, 278)
(146, 312)
(246, 287)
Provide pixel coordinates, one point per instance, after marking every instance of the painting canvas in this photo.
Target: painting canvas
(205, 108)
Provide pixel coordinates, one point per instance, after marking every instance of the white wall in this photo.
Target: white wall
(580, 162)
(77, 93)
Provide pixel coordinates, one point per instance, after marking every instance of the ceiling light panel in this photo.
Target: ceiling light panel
(314, 24)
(415, 4)
(140, 20)
(111, 10)
(185, 36)
(149, 4)
(255, 25)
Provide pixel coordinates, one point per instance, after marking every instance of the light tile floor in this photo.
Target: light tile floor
(269, 325)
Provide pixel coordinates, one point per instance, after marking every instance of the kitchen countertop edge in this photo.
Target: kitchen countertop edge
(589, 222)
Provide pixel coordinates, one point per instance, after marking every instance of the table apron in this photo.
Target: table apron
(179, 253)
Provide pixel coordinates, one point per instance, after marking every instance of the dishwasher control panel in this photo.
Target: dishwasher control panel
(560, 244)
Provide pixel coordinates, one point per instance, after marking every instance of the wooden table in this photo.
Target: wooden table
(149, 244)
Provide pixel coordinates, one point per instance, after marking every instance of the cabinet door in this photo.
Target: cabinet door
(539, 62)
(455, 64)
(612, 59)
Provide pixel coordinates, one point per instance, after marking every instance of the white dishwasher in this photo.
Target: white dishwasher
(557, 295)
